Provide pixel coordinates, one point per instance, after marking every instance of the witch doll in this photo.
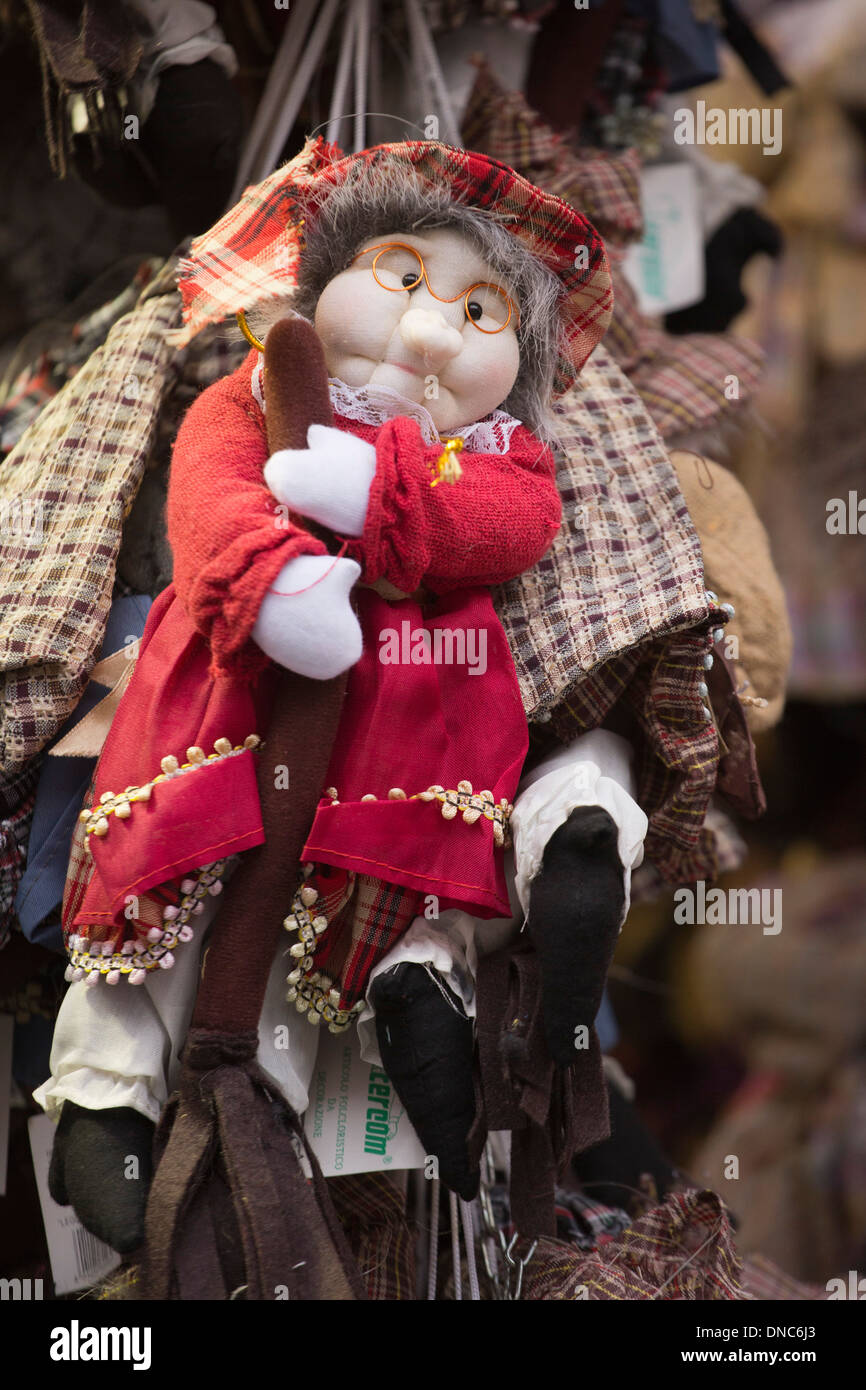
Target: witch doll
(339, 512)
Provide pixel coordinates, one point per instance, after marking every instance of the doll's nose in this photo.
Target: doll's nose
(426, 332)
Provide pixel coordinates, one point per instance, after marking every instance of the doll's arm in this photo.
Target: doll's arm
(229, 536)
(495, 522)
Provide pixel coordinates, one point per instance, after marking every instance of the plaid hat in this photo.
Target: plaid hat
(252, 253)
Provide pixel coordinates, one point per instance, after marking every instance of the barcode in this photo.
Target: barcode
(90, 1254)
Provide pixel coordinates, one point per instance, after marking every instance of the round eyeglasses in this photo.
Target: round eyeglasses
(398, 266)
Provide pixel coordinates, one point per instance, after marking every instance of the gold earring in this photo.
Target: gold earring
(248, 332)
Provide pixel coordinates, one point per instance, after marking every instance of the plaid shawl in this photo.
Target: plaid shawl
(65, 490)
(70, 481)
(617, 611)
(252, 253)
(681, 379)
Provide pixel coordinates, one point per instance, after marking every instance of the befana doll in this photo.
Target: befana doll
(451, 300)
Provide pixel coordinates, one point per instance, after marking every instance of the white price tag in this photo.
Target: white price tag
(355, 1121)
(666, 269)
(78, 1259)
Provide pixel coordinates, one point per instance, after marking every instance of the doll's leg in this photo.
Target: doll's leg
(423, 995)
(114, 1060)
(578, 834)
(113, 1054)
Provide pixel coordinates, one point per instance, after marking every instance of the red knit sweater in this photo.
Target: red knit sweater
(230, 541)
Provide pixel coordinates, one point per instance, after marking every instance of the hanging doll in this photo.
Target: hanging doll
(451, 299)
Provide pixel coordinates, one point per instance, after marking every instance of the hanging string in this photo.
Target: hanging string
(455, 1245)
(709, 485)
(293, 593)
(469, 1242)
(433, 1258)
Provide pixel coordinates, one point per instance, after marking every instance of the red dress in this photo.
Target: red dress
(440, 711)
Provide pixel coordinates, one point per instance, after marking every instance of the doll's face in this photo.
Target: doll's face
(376, 332)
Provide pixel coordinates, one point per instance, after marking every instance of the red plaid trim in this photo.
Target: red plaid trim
(252, 253)
(363, 931)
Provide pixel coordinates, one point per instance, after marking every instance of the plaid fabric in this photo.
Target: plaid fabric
(67, 486)
(683, 1249)
(585, 1223)
(363, 926)
(76, 471)
(617, 610)
(682, 380)
(17, 799)
(252, 253)
(606, 186)
(766, 1283)
(372, 1210)
(39, 380)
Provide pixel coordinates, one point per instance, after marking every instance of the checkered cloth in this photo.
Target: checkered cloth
(64, 492)
(681, 1250)
(682, 380)
(67, 485)
(365, 918)
(766, 1283)
(42, 376)
(616, 610)
(17, 799)
(251, 255)
(372, 1210)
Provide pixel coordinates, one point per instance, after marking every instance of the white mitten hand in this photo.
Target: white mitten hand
(316, 632)
(328, 482)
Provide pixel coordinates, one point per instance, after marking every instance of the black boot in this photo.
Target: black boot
(91, 1171)
(426, 1044)
(575, 910)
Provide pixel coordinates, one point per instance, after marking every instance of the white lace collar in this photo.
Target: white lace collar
(374, 405)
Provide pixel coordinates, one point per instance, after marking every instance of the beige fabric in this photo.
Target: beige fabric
(73, 476)
(625, 567)
(739, 567)
(85, 740)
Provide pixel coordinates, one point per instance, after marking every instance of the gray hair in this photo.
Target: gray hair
(367, 205)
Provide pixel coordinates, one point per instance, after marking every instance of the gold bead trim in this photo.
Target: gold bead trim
(131, 964)
(311, 991)
(95, 818)
(474, 806)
